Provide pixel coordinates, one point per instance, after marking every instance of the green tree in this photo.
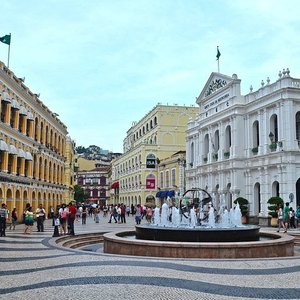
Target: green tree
(80, 149)
(79, 195)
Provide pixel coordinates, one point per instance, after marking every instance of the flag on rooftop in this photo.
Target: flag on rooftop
(218, 53)
(5, 39)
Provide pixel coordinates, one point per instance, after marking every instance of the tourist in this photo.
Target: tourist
(71, 218)
(105, 209)
(128, 211)
(138, 214)
(297, 216)
(286, 215)
(63, 216)
(83, 215)
(3, 219)
(14, 219)
(40, 217)
(292, 218)
(96, 214)
(113, 213)
(28, 220)
(123, 213)
(26, 209)
(280, 219)
(119, 213)
(149, 214)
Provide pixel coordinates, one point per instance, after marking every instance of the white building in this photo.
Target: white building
(246, 146)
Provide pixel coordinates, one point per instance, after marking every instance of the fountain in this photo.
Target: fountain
(196, 229)
(183, 224)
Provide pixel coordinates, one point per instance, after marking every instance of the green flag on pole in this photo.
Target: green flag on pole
(5, 39)
(218, 53)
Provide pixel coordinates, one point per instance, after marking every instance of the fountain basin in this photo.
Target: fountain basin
(277, 245)
(197, 234)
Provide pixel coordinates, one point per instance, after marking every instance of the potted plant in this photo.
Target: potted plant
(255, 150)
(226, 154)
(273, 146)
(273, 208)
(243, 203)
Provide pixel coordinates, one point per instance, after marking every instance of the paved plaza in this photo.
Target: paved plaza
(33, 267)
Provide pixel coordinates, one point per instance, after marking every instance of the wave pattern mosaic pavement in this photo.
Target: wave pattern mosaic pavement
(32, 268)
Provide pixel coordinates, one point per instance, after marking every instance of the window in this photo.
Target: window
(161, 179)
(167, 179)
(173, 179)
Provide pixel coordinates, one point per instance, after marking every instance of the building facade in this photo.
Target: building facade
(158, 135)
(171, 177)
(246, 145)
(96, 183)
(32, 148)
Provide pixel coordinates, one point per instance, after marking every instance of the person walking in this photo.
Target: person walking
(71, 217)
(83, 215)
(138, 214)
(28, 220)
(63, 216)
(297, 216)
(280, 219)
(123, 213)
(292, 218)
(286, 216)
(40, 217)
(3, 219)
(14, 219)
(113, 213)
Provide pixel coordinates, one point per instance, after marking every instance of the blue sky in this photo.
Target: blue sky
(103, 64)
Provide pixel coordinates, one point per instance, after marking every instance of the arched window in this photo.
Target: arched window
(298, 127)
(227, 138)
(255, 132)
(273, 135)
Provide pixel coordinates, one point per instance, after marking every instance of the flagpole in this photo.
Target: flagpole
(8, 52)
(218, 58)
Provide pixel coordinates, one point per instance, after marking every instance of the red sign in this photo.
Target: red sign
(150, 183)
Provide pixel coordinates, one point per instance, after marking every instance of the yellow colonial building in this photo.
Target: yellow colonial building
(158, 135)
(33, 143)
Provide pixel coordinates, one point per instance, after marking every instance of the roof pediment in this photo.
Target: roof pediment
(215, 82)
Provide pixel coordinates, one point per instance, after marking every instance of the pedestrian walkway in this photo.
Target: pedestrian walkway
(32, 268)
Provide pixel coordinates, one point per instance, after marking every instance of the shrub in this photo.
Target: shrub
(243, 203)
(273, 207)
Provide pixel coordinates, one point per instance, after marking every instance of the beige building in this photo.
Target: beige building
(171, 177)
(33, 143)
(158, 135)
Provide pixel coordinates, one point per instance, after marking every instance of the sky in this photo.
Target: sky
(103, 64)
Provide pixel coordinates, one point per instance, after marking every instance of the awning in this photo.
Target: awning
(12, 150)
(5, 97)
(28, 156)
(23, 111)
(3, 146)
(15, 104)
(171, 193)
(165, 194)
(21, 153)
(115, 185)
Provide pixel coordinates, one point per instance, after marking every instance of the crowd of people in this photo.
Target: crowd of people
(65, 215)
(288, 218)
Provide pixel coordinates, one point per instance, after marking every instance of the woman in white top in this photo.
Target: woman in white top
(280, 219)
